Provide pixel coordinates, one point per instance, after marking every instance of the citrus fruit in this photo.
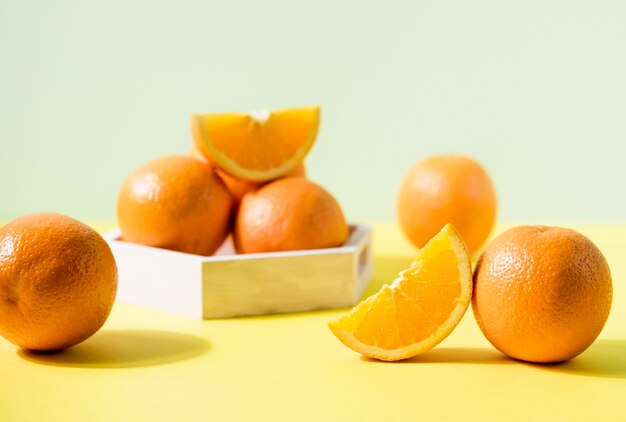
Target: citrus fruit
(541, 294)
(289, 214)
(239, 187)
(176, 202)
(257, 146)
(447, 189)
(419, 309)
(58, 281)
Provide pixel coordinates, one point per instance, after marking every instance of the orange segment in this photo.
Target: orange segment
(257, 146)
(419, 309)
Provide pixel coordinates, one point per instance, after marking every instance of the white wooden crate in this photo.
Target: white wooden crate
(228, 285)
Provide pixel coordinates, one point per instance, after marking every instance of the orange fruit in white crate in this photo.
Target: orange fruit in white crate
(259, 146)
(289, 214)
(447, 189)
(176, 202)
(542, 294)
(419, 309)
(58, 281)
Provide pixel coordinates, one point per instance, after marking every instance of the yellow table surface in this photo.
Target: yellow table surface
(146, 364)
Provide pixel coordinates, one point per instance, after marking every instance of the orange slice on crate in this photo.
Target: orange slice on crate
(257, 146)
(419, 309)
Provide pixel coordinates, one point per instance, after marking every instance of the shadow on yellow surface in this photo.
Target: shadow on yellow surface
(605, 359)
(470, 355)
(124, 349)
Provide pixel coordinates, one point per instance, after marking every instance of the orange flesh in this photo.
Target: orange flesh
(418, 307)
(418, 310)
(253, 147)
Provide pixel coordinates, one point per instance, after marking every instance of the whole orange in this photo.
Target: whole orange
(289, 214)
(58, 281)
(176, 202)
(446, 189)
(240, 187)
(541, 294)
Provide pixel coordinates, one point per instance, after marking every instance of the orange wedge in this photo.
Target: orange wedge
(257, 146)
(419, 309)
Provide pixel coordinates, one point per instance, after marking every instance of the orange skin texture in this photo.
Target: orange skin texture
(175, 202)
(542, 294)
(238, 187)
(58, 281)
(447, 189)
(289, 214)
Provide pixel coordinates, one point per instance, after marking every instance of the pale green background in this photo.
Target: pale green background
(536, 90)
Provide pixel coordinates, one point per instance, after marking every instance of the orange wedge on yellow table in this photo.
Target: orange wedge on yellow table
(257, 146)
(419, 309)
